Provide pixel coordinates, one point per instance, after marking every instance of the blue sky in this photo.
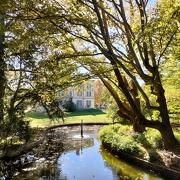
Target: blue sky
(152, 2)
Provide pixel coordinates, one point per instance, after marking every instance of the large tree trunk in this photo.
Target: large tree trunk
(2, 66)
(166, 131)
(138, 126)
(137, 119)
(169, 140)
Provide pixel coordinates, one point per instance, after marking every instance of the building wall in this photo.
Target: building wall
(82, 95)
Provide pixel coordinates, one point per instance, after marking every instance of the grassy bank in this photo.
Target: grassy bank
(122, 138)
(92, 115)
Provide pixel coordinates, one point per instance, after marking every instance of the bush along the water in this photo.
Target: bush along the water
(123, 138)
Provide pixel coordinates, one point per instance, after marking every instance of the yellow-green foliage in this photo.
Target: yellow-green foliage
(121, 138)
(173, 102)
(151, 138)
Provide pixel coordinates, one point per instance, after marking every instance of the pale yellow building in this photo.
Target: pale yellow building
(82, 95)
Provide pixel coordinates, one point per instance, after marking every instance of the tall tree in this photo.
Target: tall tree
(127, 39)
(30, 67)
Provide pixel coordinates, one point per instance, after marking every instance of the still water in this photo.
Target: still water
(89, 161)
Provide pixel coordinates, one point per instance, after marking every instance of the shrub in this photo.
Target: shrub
(69, 106)
(149, 139)
(123, 138)
(15, 126)
(141, 138)
(153, 137)
(119, 138)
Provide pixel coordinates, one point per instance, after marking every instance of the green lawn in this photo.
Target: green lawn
(91, 115)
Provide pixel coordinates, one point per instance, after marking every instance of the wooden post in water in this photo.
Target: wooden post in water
(81, 128)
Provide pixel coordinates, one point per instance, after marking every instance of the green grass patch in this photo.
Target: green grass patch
(91, 115)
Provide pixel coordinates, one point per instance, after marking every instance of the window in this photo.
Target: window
(88, 103)
(88, 93)
(79, 93)
(79, 104)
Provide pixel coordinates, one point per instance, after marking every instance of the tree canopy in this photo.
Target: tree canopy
(125, 43)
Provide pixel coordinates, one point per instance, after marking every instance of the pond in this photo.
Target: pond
(87, 160)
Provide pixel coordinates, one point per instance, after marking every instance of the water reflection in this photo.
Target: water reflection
(94, 163)
(86, 165)
(78, 136)
(122, 168)
(85, 159)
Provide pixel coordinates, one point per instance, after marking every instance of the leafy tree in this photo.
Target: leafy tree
(170, 79)
(11, 112)
(31, 69)
(123, 43)
(99, 94)
(125, 38)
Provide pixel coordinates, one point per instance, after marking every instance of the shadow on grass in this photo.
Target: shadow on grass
(92, 112)
(37, 115)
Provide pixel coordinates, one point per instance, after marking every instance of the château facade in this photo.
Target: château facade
(82, 96)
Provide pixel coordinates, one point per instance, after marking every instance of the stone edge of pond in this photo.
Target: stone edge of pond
(76, 124)
(162, 171)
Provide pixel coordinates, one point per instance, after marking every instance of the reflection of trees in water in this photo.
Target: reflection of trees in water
(119, 167)
(83, 143)
(55, 137)
(78, 145)
(48, 172)
(51, 172)
(72, 141)
(6, 169)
